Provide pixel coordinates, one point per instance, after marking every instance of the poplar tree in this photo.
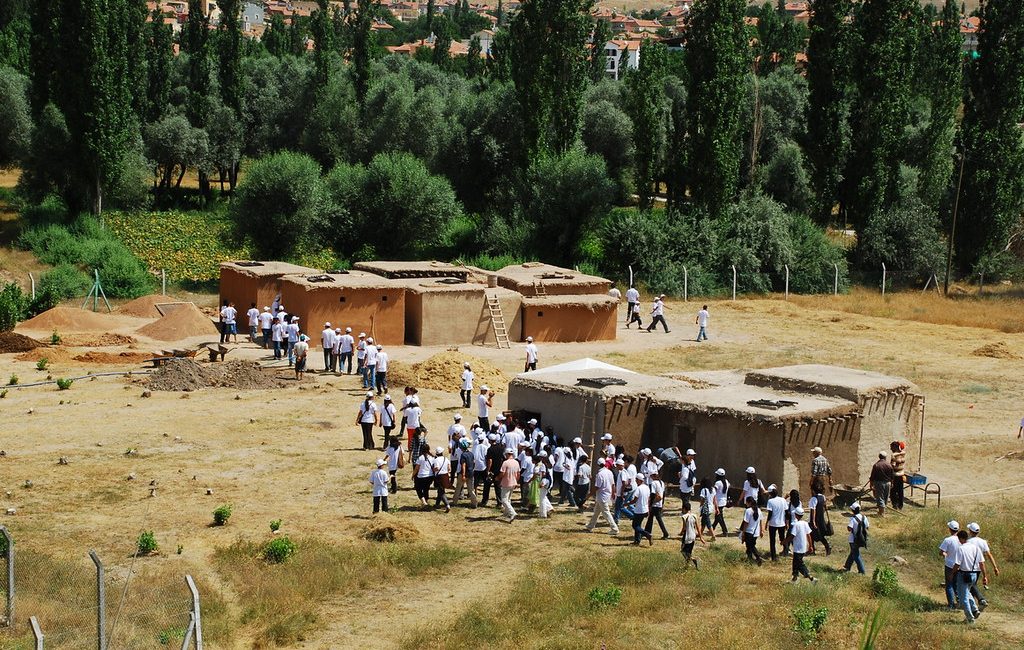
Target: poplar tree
(944, 78)
(598, 61)
(195, 41)
(645, 92)
(159, 50)
(361, 48)
(229, 54)
(323, 37)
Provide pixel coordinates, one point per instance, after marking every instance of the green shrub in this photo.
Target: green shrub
(12, 306)
(64, 383)
(51, 209)
(221, 515)
(59, 284)
(278, 550)
(123, 275)
(3, 393)
(884, 581)
(492, 262)
(13, 381)
(55, 338)
(53, 244)
(603, 597)
(41, 364)
(275, 525)
(147, 543)
(809, 621)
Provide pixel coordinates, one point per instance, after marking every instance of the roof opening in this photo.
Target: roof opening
(248, 263)
(600, 382)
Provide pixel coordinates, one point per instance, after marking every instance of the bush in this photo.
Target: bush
(809, 621)
(51, 210)
(41, 364)
(55, 338)
(13, 380)
(64, 383)
(884, 581)
(147, 543)
(603, 597)
(278, 550)
(275, 525)
(221, 515)
(12, 306)
(62, 283)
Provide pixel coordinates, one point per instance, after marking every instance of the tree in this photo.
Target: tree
(677, 144)
(608, 132)
(828, 78)
(158, 69)
(430, 15)
(323, 38)
(717, 62)
(361, 47)
(229, 51)
(15, 33)
(136, 34)
(646, 107)
(45, 169)
(275, 39)
(281, 205)
(15, 118)
(43, 52)
(442, 43)
(195, 42)
(173, 146)
(548, 40)
(881, 112)
(598, 60)
(474, 62)
(993, 188)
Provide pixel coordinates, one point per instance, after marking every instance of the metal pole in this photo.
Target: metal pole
(787, 281)
(101, 602)
(36, 632)
(952, 230)
(32, 279)
(883, 278)
(631, 276)
(920, 442)
(163, 281)
(686, 283)
(835, 283)
(10, 575)
(196, 611)
(734, 282)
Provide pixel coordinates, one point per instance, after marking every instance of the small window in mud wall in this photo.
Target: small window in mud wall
(540, 314)
(341, 299)
(383, 298)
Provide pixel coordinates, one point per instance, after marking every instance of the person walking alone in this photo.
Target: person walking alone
(632, 300)
(531, 355)
(689, 534)
(702, 323)
(466, 392)
(799, 538)
(368, 418)
(858, 528)
(751, 529)
(640, 501)
(379, 483)
(657, 489)
(658, 314)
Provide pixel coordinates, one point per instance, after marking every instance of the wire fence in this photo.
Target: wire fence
(81, 602)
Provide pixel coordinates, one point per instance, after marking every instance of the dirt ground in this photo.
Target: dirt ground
(293, 453)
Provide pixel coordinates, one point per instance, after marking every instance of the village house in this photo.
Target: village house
(621, 54)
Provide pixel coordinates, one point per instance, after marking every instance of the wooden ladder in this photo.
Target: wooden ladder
(498, 322)
(539, 290)
(587, 426)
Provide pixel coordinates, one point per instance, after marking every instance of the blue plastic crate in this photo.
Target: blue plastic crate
(917, 479)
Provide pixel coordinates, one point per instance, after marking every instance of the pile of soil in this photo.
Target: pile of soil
(51, 354)
(384, 528)
(95, 340)
(997, 350)
(133, 358)
(182, 323)
(70, 319)
(144, 307)
(187, 375)
(443, 371)
(14, 342)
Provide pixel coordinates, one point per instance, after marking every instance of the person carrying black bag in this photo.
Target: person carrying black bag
(821, 525)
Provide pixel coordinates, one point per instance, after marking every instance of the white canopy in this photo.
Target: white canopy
(579, 364)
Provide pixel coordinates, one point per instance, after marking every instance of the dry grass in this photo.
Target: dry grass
(995, 310)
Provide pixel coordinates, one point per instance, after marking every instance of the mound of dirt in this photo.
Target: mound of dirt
(70, 319)
(443, 371)
(997, 350)
(187, 375)
(144, 307)
(182, 323)
(51, 354)
(114, 357)
(384, 528)
(95, 340)
(14, 342)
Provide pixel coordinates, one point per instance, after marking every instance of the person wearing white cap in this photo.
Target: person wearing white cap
(336, 351)
(624, 482)
(975, 530)
(465, 473)
(361, 356)
(508, 479)
(388, 417)
(608, 448)
(947, 551)
(484, 403)
(379, 481)
(752, 486)
(480, 450)
(466, 391)
(382, 369)
(456, 432)
(278, 336)
(970, 561)
(688, 475)
(702, 323)
(603, 492)
(582, 481)
(777, 508)
(293, 338)
(858, 527)
(799, 538)
(266, 324)
(301, 352)
(721, 501)
(423, 474)
(396, 461)
(531, 355)
(367, 418)
(369, 364)
(534, 435)
(442, 478)
(657, 487)
(658, 314)
(327, 342)
(649, 463)
(570, 460)
(751, 529)
(821, 471)
(640, 501)
(345, 346)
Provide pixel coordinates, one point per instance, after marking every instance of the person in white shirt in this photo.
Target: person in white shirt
(412, 419)
(582, 481)
(327, 342)
(641, 504)
(688, 475)
(484, 402)
(227, 316)
(345, 347)
(721, 501)
(301, 352)
(689, 533)
(632, 299)
(379, 481)
(361, 356)
(382, 369)
(970, 561)
(634, 317)
(456, 432)
(570, 458)
(708, 507)
(526, 467)
(658, 314)
(369, 364)
(266, 324)
(947, 551)
(975, 530)
(388, 418)
(367, 418)
(396, 461)
(657, 487)
(254, 322)
(608, 448)
(603, 492)
(442, 478)
(777, 508)
(293, 338)
(336, 351)
(278, 336)
(751, 529)
(543, 478)
(799, 537)
(531, 355)
(423, 475)
(752, 486)
(702, 322)
(858, 527)
(615, 293)
(623, 482)
(466, 391)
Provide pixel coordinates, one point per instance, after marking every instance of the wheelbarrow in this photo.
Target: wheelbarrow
(847, 494)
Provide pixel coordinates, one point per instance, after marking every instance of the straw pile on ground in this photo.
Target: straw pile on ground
(70, 319)
(385, 528)
(443, 371)
(95, 340)
(14, 342)
(997, 350)
(187, 375)
(144, 307)
(181, 323)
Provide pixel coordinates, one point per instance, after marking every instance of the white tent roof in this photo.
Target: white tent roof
(579, 364)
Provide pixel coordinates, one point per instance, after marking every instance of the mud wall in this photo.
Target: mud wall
(840, 441)
(457, 317)
(888, 416)
(568, 323)
(378, 312)
(239, 288)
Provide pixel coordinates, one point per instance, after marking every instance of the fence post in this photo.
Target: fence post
(32, 281)
(36, 632)
(686, 284)
(10, 575)
(787, 281)
(734, 282)
(883, 278)
(196, 611)
(835, 283)
(163, 281)
(101, 601)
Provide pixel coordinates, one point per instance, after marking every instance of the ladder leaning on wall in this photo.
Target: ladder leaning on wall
(498, 322)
